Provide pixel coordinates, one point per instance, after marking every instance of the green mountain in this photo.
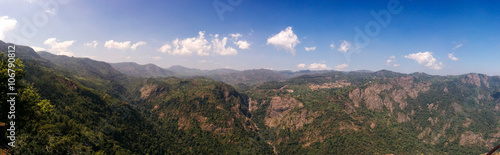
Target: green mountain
(71, 105)
(182, 71)
(379, 113)
(251, 77)
(136, 70)
(97, 109)
(240, 79)
(94, 74)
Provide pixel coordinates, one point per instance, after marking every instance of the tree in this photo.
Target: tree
(28, 109)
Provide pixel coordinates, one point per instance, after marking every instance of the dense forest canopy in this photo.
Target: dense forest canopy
(68, 105)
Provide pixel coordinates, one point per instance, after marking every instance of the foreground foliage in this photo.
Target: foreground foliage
(82, 106)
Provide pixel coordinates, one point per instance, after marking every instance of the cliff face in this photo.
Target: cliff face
(418, 111)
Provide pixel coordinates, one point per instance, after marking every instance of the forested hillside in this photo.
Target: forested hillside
(381, 112)
(92, 108)
(81, 106)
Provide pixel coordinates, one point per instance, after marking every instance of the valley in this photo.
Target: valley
(83, 106)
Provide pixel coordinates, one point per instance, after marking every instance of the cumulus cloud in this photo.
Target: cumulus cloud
(242, 44)
(134, 46)
(51, 11)
(425, 59)
(332, 46)
(301, 66)
(165, 48)
(344, 47)
(286, 40)
(452, 57)
(457, 46)
(341, 67)
(313, 66)
(200, 46)
(219, 46)
(6, 24)
(235, 36)
(318, 66)
(59, 48)
(188, 46)
(111, 44)
(37, 49)
(117, 45)
(390, 60)
(310, 48)
(92, 44)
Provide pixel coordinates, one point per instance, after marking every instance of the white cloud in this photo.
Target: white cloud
(318, 66)
(332, 46)
(188, 46)
(165, 48)
(51, 11)
(235, 36)
(286, 40)
(92, 44)
(202, 61)
(128, 57)
(6, 24)
(117, 45)
(219, 46)
(37, 49)
(243, 44)
(388, 62)
(341, 67)
(59, 48)
(344, 47)
(200, 46)
(134, 46)
(425, 59)
(457, 46)
(391, 60)
(111, 44)
(301, 66)
(310, 48)
(452, 57)
(313, 66)
(157, 58)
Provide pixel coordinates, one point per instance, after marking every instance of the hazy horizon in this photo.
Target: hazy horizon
(284, 70)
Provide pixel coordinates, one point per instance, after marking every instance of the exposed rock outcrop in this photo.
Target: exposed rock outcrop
(282, 111)
(337, 84)
(470, 139)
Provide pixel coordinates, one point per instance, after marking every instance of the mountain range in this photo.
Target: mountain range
(84, 106)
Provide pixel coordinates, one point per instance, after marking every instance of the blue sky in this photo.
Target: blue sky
(441, 38)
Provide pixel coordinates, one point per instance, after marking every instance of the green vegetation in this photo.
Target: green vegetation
(80, 106)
